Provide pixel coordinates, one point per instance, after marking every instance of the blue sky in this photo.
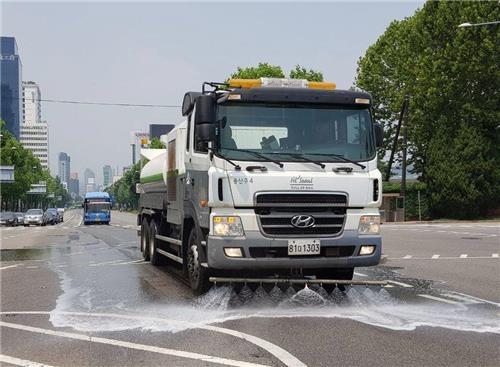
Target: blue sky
(152, 53)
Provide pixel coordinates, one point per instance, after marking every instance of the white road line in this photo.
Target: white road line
(31, 267)
(407, 257)
(9, 266)
(404, 285)
(136, 262)
(21, 362)
(107, 263)
(438, 299)
(435, 256)
(494, 255)
(360, 274)
(442, 258)
(462, 298)
(280, 353)
(136, 346)
(463, 256)
(476, 298)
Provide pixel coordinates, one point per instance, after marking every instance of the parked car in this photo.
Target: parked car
(8, 219)
(50, 217)
(20, 218)
(35, 216)
(61, 213)
(55, 214)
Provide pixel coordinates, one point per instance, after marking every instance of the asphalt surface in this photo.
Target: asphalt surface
(74, 295)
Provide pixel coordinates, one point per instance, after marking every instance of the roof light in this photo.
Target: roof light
(362, 100)
(279, 83)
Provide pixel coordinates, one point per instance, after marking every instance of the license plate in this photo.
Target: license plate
(304, 247)
(98, 219)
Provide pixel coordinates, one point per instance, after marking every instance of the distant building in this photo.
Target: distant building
(107, 174)
(64, 167)
(34, 133)
(11, 87)
(74, 184)
(157, 130)
(89, 180)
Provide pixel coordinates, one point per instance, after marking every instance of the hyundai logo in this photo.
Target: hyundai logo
(302, 221)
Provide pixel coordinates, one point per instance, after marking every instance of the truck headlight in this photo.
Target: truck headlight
(369, 224)
(228, 226)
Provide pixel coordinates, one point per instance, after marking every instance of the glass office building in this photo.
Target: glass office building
(11, 85)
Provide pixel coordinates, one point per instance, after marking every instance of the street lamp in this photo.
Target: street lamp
(467, 24)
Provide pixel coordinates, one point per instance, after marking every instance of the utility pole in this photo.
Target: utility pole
(404, 110)
(402, 192)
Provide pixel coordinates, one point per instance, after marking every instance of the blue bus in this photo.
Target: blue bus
(96, 208)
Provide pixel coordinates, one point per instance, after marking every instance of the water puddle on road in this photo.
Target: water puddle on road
(77, 309)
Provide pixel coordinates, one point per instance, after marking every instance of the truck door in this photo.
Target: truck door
(196, 180)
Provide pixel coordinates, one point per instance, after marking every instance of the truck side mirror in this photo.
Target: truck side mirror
(205, 110)
(205, 132)
(379, 134)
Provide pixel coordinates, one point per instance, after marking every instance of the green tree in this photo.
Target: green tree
(302, 73)
(451, 75)
(263, 70)
(27, 170)
(156, 143)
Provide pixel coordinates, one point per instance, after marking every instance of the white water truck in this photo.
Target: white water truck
(266, 180)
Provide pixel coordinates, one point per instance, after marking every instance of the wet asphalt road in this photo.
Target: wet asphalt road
(74, 295)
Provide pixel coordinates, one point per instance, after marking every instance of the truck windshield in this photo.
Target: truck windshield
(323, 132)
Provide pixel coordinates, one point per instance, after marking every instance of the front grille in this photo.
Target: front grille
(300, 199)
(276, 210)
(276, 252)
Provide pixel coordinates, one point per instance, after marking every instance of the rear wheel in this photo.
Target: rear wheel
(145, 239)
(197, 274)
(154, 257)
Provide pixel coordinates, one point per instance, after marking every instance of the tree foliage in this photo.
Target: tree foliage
(302, 73)
(265, 70)
(27, 171)
(451, 75)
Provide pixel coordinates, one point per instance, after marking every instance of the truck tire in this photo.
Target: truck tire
(145, 239)
(154, 256)
(197, 274)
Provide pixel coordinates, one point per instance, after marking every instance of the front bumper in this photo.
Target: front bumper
(271, 255)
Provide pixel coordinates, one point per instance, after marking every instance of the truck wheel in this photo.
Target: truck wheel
(145, 239)
(197, 274)
(154, 257)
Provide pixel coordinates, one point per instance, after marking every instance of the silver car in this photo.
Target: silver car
(20, 218)
(35, 216)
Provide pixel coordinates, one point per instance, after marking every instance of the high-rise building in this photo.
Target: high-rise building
(107, 174)
(64, 167)
(34, 133)
(74, 184)
(89, 180)
(11, 87)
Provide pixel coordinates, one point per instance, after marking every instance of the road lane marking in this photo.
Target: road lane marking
(136, 346)
(9, 266)
(439, 299)
(494, 255)
(280, 353)
(482, 300)
(404, 285)
(439, 257)
(107, 263)
(463, 256)
(360, 274)
(407, 257)
(462, 298)
(21, 362)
